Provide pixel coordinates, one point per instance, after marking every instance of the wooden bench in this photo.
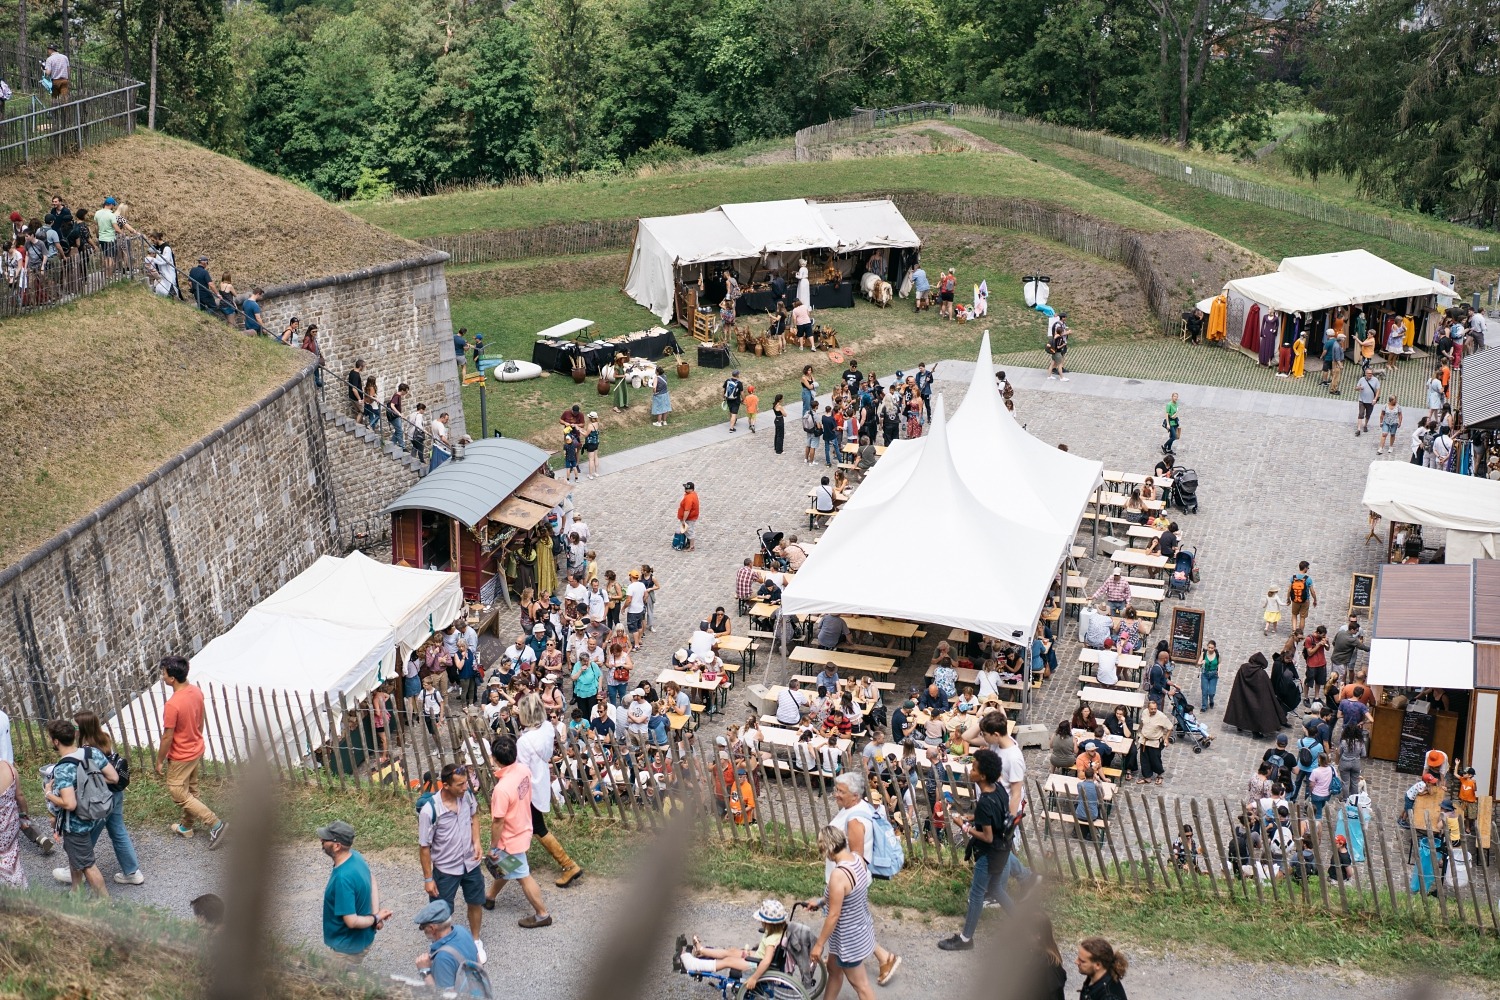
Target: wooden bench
(698, 709)
(1087, 680)
(756, 633)
(1062, 817)
(896, 651)
(813, 514)
(812, 681)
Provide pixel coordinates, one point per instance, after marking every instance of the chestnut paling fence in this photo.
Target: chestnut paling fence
(316, 739)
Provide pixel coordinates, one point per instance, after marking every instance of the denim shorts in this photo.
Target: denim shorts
(633, 620)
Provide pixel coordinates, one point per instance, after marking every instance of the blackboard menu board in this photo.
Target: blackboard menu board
(1187, 634)
(1361, 592)
(1417, 731)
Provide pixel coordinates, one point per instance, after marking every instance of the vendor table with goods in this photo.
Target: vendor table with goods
(557, 355)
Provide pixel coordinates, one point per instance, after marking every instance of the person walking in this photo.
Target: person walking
(77, 766)
(661, 400)
(91, 733)
(510, 831)
(12, 874)
(1299, 592)
(1102, 969)
(536, 748)
(1390, 424)
(55, 70)
(351, 899)
(1366, 392)
(180, 755)
(1155, 732)
(733, 389)
(448, 844)
(856, 820)
(591, 443)
(847, 937)
(1172, 424)
(778, 415)
(989, 845)
(752, 406)
(687, 514)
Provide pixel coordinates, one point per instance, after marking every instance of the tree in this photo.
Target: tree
(570, 47)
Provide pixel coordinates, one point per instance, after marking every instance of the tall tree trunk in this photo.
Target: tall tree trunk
(67, 31)
(161, 16)
(1182, 97)
(1166, 120)
(22, 17)
(125, 40)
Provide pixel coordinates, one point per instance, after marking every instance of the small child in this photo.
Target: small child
(700, 959)
(752, 405)
(570, 454)
(1273, 607)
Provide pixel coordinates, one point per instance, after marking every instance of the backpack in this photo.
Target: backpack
(809, 422)
(1307, 749)
(887, 856)
(732, 390)
(95, 800)
(122, 770)
(1298, 589)
(471, 980)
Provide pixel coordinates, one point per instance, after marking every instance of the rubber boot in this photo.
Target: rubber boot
(570, 869)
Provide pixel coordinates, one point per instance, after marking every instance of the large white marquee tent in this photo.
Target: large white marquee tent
(1328, 280)
(1467, 506)
(329, 636)
(739, 232)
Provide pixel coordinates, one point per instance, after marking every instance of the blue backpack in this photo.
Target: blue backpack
(887, 856)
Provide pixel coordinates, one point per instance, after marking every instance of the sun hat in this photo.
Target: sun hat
(771, 912)
(538, 628)
(1436, 758)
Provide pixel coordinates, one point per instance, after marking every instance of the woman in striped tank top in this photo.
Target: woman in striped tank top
(848, 934)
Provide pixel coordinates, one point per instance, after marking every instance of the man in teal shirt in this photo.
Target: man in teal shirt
(351, 900)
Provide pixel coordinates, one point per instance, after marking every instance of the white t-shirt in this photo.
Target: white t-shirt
(701, 646)
(636, 594)
(863, 812)
(519, 656)
(823, 500)
(989, 684)
(581, 529)
(1108, 675)
(1012, 769)
(638, 715)
(534, 748)
(598, 601)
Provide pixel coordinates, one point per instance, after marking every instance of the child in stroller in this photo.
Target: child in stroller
(1187, 727)
(769, 542)
(1180, 581)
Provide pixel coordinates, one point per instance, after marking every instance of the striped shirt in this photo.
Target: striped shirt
(853, 938)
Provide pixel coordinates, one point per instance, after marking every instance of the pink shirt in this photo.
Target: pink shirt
(511, 802)
(801, 315)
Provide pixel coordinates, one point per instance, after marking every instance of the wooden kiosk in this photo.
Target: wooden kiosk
(461, 515)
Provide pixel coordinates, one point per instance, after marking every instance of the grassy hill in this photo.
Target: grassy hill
(99, 392)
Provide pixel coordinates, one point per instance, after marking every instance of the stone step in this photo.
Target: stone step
(372, 438)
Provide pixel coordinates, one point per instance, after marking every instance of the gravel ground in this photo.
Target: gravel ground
(552, 963)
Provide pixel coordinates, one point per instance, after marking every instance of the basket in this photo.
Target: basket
(773, 347)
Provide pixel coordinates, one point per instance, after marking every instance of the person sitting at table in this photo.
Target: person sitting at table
(792, 551)
(804, 755)
(1165, 544)
(902, 721)
(828, 678)
(832, 630)
(791, 703)
(933, 700)
(823, 498)
(1118, 725)
(703, 642)
(837, 724)
(866, 454)
(1097, 745)
(1094, 625)
(1089, 760)
(1083, 718)
(1148, 490)
(718, 623)
(1166, 468)
(946, 677)
(968, 701)
(769, 591)
(1129, 633)
(678, 699)
(989, 680)
(1135, 508)
(867, 700)
(1115, 591)
(1107, 675)
(1062, 751)
(840, 487)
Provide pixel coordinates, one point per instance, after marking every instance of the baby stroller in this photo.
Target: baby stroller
(768, 541)
(1185, 491)
(1187, 727)
(1184, 572)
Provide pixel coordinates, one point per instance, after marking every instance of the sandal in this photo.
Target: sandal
(1158, 781)
(1142, 781)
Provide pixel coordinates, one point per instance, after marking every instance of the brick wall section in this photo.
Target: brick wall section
(176, 559)
(394, 317)
(366, 475)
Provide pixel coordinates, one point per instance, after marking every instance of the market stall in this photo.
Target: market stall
(1413, 498)
(560, 348)
(1309, 295)
(1484, 722)
(680, 264)
(471, 515)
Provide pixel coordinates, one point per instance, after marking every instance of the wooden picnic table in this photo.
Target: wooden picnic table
(1148, 561)
(1067, 784)
(852, 448)
(741, 644)
(717, 690)
(1131, 701)
(899, 632)
(855, 663)
(1117, 744)
(970, 676)
(1125, 661)
(1143, 531)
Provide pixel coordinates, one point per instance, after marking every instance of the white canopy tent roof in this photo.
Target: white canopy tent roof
(735, 232)
(1018, 475)
(997, 569)
(335, 631)
(1326, 280)
(1469, 507)
(1422, 663)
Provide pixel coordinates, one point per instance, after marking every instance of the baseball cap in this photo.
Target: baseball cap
(1281, 739)
(635, 574)
(203, 259)
(638, 693)
(1431, 779)
(687, 486)
(110, 201)
(735, 372)
(339, 831)
(435, 912)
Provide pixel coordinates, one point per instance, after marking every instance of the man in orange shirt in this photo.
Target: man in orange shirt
(687, 513)
(510, 831)
(181, 752)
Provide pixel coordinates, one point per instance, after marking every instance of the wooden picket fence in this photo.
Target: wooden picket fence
(336, 745)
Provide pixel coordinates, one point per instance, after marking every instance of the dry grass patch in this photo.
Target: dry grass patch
(260, 228)
(98, 393)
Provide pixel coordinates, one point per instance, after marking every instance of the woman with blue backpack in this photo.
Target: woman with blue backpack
(870, 836)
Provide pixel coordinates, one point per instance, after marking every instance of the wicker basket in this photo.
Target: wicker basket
(773, 347)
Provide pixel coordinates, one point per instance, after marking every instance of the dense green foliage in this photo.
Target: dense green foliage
(358, 98)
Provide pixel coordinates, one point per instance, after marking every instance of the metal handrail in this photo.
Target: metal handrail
(59, 129)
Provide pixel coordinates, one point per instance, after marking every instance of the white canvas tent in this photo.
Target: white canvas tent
(329, 636)
(1422, 663)
(738, 232)
(1469, 507)
(1327, 280)
(964, 564)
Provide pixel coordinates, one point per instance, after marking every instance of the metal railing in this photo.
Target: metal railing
(65, 279)
(51, 131)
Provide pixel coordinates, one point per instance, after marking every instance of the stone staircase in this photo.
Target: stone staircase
(372, 439)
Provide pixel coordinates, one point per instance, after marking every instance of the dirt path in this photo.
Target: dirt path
(969, 139)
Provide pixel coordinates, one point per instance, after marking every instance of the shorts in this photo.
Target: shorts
(60, 90)
(1390, 429)
(570, 462)
(633, 620)
(945, 297)
(1299, 609)
(1317, 676)
(472, 882)
(1365, 409)
(522, 872)
(80, 850)
(804, 329)
(691, 529)
(733, 404)
(851, 963)
(813, 438)
(109, 248)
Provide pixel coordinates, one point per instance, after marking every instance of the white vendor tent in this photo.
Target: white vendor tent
(1018, 475)
(1422, 663)
(738, 232)
(328, 637)
(963, 564)
(1327, 280)
(1469, 507)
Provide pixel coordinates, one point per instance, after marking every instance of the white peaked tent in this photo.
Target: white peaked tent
(868, 225)
(772, 226)
(1326, 280)
(1469, 507)
(964, 564)
(1014, 472)
(328, 637)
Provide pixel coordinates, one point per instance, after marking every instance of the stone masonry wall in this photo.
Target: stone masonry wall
(175, 560)
(394, 317)
(366, 476)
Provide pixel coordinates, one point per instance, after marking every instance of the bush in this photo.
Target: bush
(660, 152)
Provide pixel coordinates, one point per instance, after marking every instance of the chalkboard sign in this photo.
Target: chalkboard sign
(1361, 592)
(1187, 634)
(1417, 731)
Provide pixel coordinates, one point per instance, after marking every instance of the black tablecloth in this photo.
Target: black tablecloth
(713, 357)
(757, 303)
(556, 355)
(760, 302)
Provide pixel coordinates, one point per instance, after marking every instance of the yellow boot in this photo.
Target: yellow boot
(570, 868)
